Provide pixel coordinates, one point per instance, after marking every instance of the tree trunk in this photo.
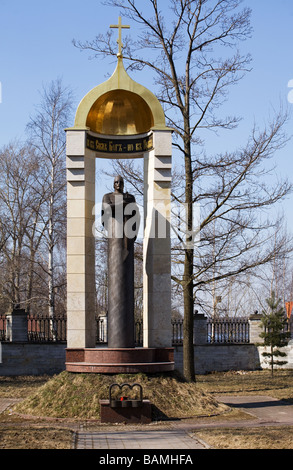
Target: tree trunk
(188, 350)
(51, 297)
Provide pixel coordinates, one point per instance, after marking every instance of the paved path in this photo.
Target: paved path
(168, 438)
(265, 409)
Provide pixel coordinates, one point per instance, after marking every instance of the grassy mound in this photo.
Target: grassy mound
(70, 395)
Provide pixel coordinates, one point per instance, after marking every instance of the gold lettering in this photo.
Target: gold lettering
(101, 146)
(115, 147)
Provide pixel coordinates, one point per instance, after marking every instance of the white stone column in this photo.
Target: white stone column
(256, 328)
(81, 329)
(157, 246)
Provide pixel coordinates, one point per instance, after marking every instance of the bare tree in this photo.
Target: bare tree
(21, 226)
(192, 52)
(46, 131)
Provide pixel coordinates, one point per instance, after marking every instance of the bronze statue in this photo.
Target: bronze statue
(120, 217)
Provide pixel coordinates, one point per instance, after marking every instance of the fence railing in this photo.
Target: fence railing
(45, 329)
(101, 330)
(221, 330)
(288, 328)
(228, 330)
(177, 332)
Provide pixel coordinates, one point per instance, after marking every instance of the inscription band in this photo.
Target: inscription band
(98, 144)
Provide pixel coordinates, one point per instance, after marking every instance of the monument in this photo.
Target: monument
(119, 210)
(119, 119)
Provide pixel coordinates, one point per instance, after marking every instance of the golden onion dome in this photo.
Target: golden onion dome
(120, 112)
(120, 106)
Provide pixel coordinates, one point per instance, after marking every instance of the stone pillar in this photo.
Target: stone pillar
(255, 328)
(81, 331)
(200, 329)
(16, 325)
(157, 246)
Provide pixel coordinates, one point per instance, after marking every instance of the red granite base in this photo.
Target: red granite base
(120, 360)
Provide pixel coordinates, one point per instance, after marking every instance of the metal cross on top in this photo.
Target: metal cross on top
(119, 41)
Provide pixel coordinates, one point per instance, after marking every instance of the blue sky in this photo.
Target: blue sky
(36, 47)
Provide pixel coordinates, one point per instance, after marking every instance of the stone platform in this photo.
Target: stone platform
(120, 360)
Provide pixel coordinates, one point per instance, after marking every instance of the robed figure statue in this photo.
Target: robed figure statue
(120, 217)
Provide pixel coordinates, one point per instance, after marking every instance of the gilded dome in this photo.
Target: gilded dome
(120, 112)
(120, 106)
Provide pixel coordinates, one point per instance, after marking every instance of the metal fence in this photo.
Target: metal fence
(221, 330)
(287, 328)
(41, 328)
(101, 330)
(228, 330)
(177, 332)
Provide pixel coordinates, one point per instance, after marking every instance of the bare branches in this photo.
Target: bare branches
(32, 205)
(194, 74)
(191, 48)
(48, 137)
(184, 44)
(20, 216)
(132, 173)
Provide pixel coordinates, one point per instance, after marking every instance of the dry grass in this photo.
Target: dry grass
(78, 396)
(272, 437)
(35, 437)
(245, 383)
(21, 386)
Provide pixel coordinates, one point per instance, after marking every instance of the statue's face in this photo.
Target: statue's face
(119, 185)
